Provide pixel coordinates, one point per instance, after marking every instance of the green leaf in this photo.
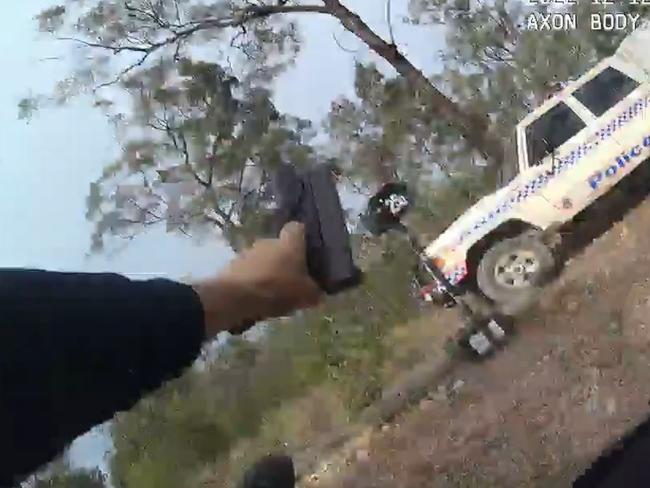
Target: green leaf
(27, 107)
(51, 19)
(93, 200)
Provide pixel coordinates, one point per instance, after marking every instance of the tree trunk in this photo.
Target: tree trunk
(473, 127)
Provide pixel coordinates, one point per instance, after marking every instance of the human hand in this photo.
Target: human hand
(268, 280)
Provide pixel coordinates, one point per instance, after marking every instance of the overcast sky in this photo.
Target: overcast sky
(46, 166)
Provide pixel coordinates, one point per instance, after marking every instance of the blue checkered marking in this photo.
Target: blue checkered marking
(559, 165)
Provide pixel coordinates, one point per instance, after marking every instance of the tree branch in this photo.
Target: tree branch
(473, 127)
(188, 164)
(212, 195)
(217, 222)
(240, 182)
(146, 211)
(444, 168)
(261, 11)
(124, 72)
(115, 49)
(237, 19)
(146, 15)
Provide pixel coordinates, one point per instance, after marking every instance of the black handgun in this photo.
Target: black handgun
(311, 197)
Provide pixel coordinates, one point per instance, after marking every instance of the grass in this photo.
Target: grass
(304, 422)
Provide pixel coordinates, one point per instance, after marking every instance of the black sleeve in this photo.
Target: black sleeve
(77, 348)
(623, 464)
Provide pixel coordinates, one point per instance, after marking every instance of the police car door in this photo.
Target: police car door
(612, 104)
(618, 98)
(546, 142)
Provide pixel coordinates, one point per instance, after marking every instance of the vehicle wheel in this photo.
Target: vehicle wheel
(511, 271)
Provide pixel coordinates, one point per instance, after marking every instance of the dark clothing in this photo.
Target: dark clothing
(623, 465)
(77, 348)
(274, 471)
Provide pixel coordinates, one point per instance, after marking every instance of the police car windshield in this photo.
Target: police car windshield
(545, 134)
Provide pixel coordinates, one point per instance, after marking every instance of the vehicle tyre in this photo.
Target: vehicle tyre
(511, 271)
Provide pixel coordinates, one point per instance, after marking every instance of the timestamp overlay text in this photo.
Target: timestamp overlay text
(554, 18)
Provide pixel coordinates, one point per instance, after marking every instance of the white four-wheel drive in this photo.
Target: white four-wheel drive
(571, 151)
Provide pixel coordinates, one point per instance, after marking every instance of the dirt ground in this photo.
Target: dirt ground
(574, 380)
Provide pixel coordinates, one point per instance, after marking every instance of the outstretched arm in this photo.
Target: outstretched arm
(77, 348)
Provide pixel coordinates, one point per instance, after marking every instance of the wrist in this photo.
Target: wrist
(224, 304)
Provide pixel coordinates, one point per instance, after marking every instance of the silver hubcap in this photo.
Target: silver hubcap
(516, 269)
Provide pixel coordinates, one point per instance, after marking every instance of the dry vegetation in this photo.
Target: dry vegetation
(574, 380)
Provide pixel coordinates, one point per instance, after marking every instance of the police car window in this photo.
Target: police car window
(605, 90)
(550, 131)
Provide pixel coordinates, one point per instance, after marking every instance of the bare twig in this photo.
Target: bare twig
(241, 179)
(341, 45)
(115, 49)
(188, 164)
(441, 166)
(389, 21)
(184, 232)
(177, 51)
(498, 53)
(236, 19)
(145, 210)
(124, 72)
(357, 189)
(217, 222)
(178, 12)
(242, 32)
(144, 15)
(241, 197)
(211, 170)
(124, 220)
